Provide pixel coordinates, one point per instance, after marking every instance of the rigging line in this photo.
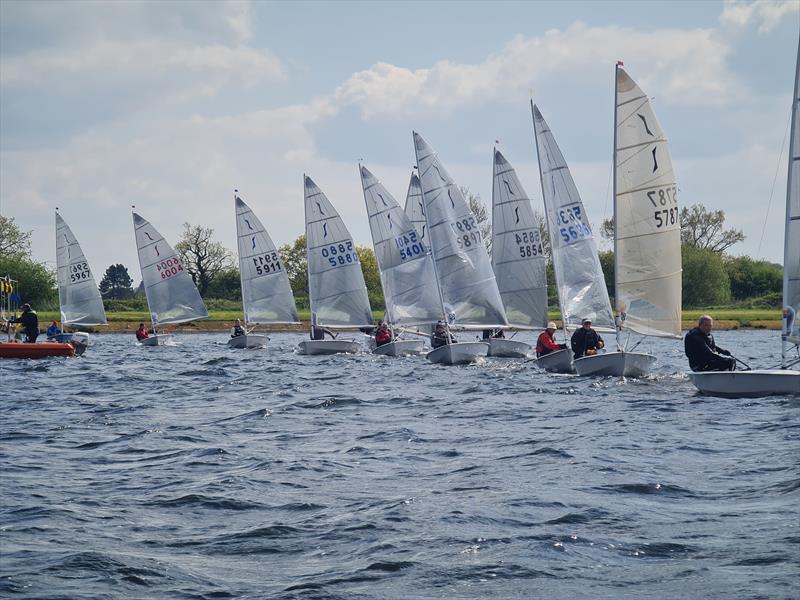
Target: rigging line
(774, 179)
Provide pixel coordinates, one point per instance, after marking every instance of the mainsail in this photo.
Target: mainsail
(335, 282)
(647, 229)
(791, 248)
(517, 254)
(415, 208)
(78, 295)
(266, 293)
(171, 294)
(466, 279)
(582, 290)
(406, 266)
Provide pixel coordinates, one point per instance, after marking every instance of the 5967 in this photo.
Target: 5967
(79, 272)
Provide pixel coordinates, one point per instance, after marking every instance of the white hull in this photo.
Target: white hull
(315, 347)
(615, 364)
(508, 348)
(747, 384)
(156, 339)
(458, 354)
(559, 361)
(250, 340)
(400, 348)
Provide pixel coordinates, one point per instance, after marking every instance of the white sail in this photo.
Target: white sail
(415, 208)
(336, 285)
(581, 285)
(171, 294)
(266, 293)
(466, 279)
(647, 229)
(78, 295)
(791, 250)
(517, 254)
(406, 266)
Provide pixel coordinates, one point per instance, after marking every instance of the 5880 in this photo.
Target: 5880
(340, 254)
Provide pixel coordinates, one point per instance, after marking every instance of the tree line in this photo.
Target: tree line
(711, 277)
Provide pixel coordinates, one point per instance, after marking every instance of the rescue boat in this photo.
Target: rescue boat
(41, 350)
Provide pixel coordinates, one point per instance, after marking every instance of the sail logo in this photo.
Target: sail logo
(324, 230)
(646, 128)
(449, 195)
(510, 191)
(250, 227)
(382, 199)
(254, 243)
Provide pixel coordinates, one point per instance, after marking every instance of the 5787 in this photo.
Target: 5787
(665, 201)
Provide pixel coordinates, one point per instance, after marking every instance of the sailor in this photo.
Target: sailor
(586, 341)
(439, 337)
(701, 350)
(141, 333)
(53, 330)
(383, 335)
(547, 343)
(30, 323)
(237, 329)
(496, 334)
(318, 333)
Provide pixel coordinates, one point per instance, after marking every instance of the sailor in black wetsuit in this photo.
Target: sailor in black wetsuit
(702, 352)
(30, 323)
(586, 341)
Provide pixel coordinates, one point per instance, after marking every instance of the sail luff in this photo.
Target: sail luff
(579, 277)
(647, 245)
(517, 253)
(415, 208)
(405, 265)
(266, 292)
(791, 244)
(78, 297)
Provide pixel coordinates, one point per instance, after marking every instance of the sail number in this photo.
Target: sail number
(340, 254)
(409, 245)
(530, 243)
(168, 268)
(267, 263)
(468, 234)
(79, 272)
(666, 201)
(571, 225)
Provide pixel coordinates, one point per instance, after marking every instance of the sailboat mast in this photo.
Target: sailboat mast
(241, 270)
(790, 183)
(547, 223)
(618, 317)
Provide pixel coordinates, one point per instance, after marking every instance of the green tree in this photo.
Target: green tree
(201, 256)
(36, 283)
(14, 242)
(607, 264)
(116, 283)
(226, 285)
(705, 281)
(753, 278)
(295, 260)
(372, 276)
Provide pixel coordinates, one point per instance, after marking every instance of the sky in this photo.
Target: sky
(170, 106)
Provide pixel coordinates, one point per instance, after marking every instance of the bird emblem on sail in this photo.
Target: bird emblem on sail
(516, 213)
(254, 243)
(510, 191)
(148, 237)
(322, 212)
(250, 227)
(646, 128)
(449, 195)
(389, 216)
(382, 200)
(655, 162)
(156, 249)
(324, 230)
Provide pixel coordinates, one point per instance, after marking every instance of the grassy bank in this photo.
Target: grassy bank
(725, 318)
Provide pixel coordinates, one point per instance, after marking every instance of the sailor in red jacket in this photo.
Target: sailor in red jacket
(547, 343)
(383, 335)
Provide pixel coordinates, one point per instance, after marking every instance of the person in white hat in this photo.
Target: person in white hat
(547, 343)
(586, 341)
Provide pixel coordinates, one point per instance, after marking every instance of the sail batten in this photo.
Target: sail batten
(266, 292)
(467, 283)
(337, 291)
(405, 265)
(78, 297)
(172, 296)
(580, 282)
(517, 252)
(647, 253)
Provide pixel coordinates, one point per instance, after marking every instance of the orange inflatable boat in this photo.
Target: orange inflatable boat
(43, 350)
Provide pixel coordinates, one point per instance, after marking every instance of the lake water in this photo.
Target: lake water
(197, 471)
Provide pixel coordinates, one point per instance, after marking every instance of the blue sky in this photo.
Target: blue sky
(172, 105)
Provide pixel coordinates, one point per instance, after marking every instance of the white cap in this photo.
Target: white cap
(551, 325)
(586, 320)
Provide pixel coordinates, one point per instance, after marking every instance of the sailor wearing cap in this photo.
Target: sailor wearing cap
(586, 341)
(547, 343)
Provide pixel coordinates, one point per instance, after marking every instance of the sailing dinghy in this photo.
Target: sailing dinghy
(78, 296)
(784, 381)
(172, 296)
(266, 293)
(463, 270)
(406, 267)
(647, 234)
(517, 259)
(336, 287)
(579, 277)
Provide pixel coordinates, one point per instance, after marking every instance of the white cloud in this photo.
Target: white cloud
(684, 67)
(767, 14)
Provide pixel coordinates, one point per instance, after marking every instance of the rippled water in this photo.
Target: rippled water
(201, 472)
